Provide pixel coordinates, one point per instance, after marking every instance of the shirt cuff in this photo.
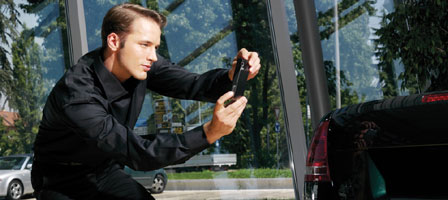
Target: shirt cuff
(196, 139)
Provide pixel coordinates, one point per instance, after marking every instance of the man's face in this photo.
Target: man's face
(139, 51)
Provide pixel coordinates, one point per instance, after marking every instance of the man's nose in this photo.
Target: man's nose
(152, 56)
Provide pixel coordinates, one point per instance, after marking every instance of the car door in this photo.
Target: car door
(26, 176)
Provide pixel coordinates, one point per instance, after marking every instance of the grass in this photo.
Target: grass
(238, 173)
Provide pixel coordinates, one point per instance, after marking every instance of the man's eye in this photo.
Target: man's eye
(144, 45)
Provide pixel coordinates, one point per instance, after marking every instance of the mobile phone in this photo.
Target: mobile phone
(240, 78)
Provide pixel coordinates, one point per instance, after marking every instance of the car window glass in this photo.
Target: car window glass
(13, 163)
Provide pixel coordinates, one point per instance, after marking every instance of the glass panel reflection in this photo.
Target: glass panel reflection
(379, 49)
(348, 51)
(94, 11)
(376, 49)
(252, 162)
(33, 56)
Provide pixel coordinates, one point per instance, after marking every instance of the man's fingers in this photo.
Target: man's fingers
(221, 101)
(253, 71)
(243, 53)
(242, 105)
(253, 57)
(254, 62)
(237, 107)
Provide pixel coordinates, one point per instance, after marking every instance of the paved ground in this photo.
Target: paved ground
(271, 194)
(227, 194)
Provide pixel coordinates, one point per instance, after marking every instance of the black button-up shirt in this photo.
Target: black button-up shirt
(89, 115)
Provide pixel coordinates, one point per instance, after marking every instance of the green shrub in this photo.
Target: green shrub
(240, 173)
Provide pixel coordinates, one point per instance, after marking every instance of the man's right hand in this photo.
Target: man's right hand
(224, 117)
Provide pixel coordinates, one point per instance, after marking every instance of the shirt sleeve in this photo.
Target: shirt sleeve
(172, 80)
(93, 123)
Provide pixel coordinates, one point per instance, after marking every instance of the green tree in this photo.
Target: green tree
(252, 32)
(416, 35)
(355, 53)
(29, 99)
(9, 22)
(10, 142)
(26, 76)
(25, 88)
(51, 30)
(208, 40)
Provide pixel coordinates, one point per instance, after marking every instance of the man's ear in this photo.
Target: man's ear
(113, 41)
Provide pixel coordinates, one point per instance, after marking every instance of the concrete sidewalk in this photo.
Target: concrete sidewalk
(265, 194)
(272, 194)
(230, 184)
(239, 189)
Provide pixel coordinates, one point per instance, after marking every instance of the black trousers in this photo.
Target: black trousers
(63, 182)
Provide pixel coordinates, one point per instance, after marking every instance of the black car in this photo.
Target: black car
(384, 149)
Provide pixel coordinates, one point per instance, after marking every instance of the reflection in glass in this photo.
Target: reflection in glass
(254, 139)
(357, 74)
(200, 36)
(384, 47)
(94, 11)
(421, 48)
(33, 57)
(377, 49)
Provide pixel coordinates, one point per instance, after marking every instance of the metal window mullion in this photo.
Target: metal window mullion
(76, 26)
(316, 80)
(289, 92)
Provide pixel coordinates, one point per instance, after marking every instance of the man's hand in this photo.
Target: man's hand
(224, 118)
(253, 60)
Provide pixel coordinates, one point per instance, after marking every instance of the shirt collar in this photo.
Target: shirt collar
(111, 85)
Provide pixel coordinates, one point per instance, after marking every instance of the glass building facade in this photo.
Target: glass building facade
(353, 43)
(200, 36)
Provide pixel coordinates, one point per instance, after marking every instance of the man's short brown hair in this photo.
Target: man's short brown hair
(120, 17)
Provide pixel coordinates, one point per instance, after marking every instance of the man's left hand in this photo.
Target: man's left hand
(253, 60)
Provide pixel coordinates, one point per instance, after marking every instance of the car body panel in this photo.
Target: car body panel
(386, 149)
(22, 173)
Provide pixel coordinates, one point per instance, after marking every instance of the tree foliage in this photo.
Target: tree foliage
(356, 66)
(207, 43)
(28, 100)
(9, 22)
(23, 82)
(255, 127)
(415, 34)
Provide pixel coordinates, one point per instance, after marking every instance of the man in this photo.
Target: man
(85, 137)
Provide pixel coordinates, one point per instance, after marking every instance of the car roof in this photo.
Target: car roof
(411, 108)
(408, 118)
